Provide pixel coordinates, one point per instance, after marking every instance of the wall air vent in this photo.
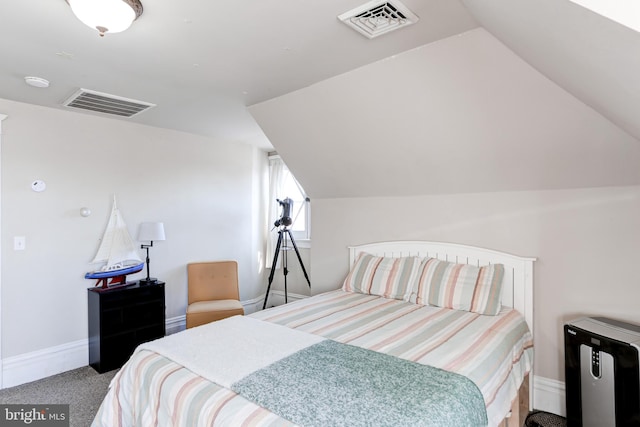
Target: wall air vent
(378, 17)
(99, 102)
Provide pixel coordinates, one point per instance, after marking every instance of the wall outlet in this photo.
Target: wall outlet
(19, 243)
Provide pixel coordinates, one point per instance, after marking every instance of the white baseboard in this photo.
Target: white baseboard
(549, 395)
(253, 305)
(175, 324)
(43, 363)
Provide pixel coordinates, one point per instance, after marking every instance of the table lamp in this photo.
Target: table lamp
(150, 232)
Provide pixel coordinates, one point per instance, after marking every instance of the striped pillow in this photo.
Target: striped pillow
(383, 276)
(360, 277)
(460, 286)
(394, 277)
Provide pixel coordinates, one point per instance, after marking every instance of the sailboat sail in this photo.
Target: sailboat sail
(116, 249)
(116, 246)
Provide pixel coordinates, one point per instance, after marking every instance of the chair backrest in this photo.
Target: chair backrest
(214, 280)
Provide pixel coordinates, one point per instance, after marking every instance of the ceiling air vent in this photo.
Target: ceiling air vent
(378, 17)
(99, 102)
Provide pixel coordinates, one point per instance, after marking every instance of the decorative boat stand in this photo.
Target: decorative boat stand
(115, 282)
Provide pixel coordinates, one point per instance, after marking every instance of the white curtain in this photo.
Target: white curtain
(276, 171)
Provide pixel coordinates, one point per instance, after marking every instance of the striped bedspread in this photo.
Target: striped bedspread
(495, 352)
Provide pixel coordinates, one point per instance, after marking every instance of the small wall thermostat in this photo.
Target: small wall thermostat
(38, 186)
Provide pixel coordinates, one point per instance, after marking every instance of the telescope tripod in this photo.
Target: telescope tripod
(282, 238)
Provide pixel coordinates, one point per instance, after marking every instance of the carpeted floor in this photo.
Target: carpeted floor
(83, 389)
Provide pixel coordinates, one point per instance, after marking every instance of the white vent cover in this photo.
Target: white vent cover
(99, 102)
(378, 17)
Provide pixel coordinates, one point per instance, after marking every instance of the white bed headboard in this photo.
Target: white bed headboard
(517, 285)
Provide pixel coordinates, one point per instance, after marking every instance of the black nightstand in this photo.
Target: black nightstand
(122, 318)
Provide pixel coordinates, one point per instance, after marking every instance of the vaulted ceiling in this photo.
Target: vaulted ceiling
(544, 95)
(592, 57)
(503, 82)
(201, 61)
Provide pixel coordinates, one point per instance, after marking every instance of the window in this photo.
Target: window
(282, 185)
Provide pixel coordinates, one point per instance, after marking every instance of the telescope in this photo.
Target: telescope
(284, 233)
(285, 218)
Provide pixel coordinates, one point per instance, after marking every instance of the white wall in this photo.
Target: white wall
(208, 193)
(587, 242)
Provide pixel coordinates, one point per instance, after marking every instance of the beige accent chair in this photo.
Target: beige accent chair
(213, 292)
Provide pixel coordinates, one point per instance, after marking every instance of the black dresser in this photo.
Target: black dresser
(122, 318)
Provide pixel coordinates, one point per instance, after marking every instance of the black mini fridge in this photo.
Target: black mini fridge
(601, 373)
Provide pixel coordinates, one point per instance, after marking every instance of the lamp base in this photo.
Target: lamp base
(148, 281)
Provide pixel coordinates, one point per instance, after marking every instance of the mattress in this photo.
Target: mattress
(494, 352)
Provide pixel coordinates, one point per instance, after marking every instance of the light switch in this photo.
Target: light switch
(19, 243)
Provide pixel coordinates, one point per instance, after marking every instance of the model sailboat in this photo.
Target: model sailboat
(117, 251)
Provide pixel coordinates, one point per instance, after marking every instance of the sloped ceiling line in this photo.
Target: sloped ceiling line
(463, 115)
(594, 58)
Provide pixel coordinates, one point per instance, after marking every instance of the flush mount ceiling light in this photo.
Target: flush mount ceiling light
(36, 81)
(106, 16)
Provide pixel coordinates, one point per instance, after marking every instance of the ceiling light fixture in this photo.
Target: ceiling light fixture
(106, 16)
(36, 81)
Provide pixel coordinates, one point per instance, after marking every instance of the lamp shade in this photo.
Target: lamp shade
(112, 16)
(151, 231)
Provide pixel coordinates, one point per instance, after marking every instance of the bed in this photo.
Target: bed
(419, 333)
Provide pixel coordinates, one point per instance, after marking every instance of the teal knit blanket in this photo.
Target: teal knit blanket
(334, 384)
